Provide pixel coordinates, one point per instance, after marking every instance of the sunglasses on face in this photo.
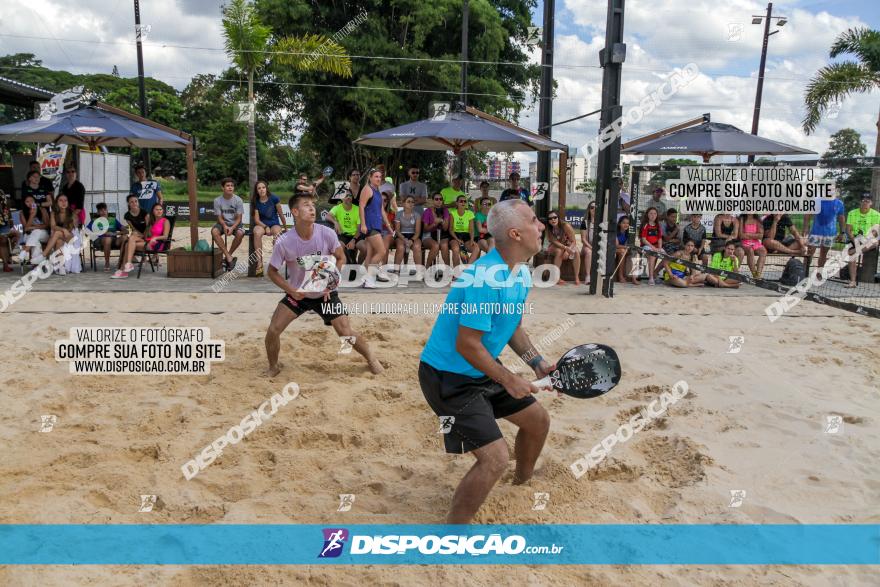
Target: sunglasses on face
(438, 199)
(413, 172)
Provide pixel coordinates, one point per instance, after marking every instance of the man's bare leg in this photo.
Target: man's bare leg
(342, 326)
(533, 423)
(282, 317)
(478, 482)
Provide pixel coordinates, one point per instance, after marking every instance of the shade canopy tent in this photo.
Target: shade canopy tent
(467, 129)
(709, 139)
(91, 126)
(460, 130)
(97, 124)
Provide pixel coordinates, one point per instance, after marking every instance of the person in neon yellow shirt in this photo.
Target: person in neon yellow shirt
(462, 220)
(724, 261)
(346, 219)
(450, 194)
(862, 221)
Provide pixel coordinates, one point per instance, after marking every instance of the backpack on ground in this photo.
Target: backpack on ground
(793, 273)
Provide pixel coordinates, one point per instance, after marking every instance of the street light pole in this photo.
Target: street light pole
(464, 71)
(142, 98)
(756, 116)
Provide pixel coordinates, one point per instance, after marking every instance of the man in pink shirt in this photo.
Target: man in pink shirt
(307, 239)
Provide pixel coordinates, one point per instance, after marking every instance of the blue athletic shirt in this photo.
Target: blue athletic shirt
(825, 222)
(492, 303)
(267, 210)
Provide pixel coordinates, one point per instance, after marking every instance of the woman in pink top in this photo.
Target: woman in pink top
(751, 234)
(158, 228)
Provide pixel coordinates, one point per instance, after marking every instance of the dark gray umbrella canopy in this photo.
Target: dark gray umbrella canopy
(89, 125)
(459, 131)
(714, 138)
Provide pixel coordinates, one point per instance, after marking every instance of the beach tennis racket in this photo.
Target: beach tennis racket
(588, 370)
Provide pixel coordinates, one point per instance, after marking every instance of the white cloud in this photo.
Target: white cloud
(665, 34)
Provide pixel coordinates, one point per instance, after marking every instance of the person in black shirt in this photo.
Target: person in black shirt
(32, 187)
(45, 183)
(775, 240)
(515, 192)
(76, 194)
(136, 224)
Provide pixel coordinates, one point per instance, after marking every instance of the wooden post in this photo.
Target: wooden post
(563, 182)
(193, 197)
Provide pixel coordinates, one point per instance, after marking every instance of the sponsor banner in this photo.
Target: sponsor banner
(575, 217)
(51, 159)
(604, 544)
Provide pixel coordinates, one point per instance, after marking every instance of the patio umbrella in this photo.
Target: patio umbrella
(459, 131)
(714, 138)
(90, 126)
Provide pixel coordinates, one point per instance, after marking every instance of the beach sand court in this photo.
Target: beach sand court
(754, 420)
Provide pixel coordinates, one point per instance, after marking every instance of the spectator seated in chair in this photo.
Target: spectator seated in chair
(563, 244)
(111, 239)
(775, 239)
(861, 222)
(9, 236)
(62, 222)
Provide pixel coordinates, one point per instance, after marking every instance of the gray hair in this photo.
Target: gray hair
(502, 217)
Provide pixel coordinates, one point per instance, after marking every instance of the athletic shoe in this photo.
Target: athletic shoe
(129, 267)
(61, 271)
(382, 277)
(120, 274)
(369, 283)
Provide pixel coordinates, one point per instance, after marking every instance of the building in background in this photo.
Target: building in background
(499, 168)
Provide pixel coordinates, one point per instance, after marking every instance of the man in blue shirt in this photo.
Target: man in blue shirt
(460, 376)
(148, 191)
(827, 226)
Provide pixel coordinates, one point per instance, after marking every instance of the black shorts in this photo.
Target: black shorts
(464, 237)
(328, 311)
(371, 232)
(474, 403)
(347, 238)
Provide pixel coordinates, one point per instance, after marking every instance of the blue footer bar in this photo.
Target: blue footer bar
(601, 544)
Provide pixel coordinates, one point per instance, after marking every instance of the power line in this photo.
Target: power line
(391, 58)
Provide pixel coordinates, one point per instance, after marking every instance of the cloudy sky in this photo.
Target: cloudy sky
(661, 35)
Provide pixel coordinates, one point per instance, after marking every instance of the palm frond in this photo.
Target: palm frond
(313, 53)
(245, 37)
(861, 42)
(831, 84)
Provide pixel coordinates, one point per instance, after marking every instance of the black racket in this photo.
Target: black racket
(587, 370)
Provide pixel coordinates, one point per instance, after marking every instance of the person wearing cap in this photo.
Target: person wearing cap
(658, 202)
(862, 221)
(515, 192)
(451, 193)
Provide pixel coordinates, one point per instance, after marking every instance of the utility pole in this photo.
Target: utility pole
(464, 72)
(545, 108)
(142, 99)
(781, 20)
(611, 59)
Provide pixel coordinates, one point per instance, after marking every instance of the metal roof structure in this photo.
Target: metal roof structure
(14, 93)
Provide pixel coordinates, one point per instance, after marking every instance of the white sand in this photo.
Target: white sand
(754, 421)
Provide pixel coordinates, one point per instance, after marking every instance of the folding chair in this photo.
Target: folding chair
(166, 247)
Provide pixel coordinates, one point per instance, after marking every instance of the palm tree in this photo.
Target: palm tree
(836, 81)
(250, 45)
